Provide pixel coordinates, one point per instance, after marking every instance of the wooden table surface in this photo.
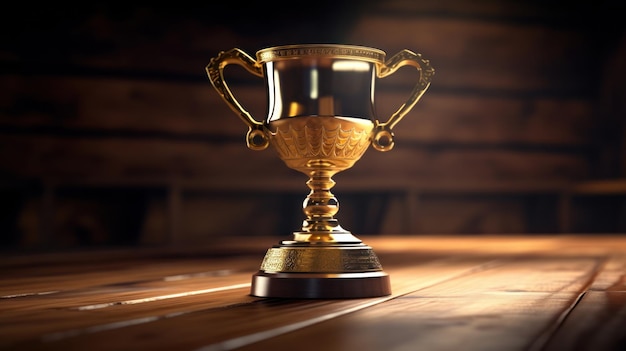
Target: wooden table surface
(501, 293)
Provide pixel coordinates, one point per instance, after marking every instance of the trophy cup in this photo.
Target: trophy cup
(320, 119)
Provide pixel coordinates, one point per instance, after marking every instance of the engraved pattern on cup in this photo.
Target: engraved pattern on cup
(338, 141)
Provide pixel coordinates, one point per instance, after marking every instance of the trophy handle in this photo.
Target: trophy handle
(256, 139)
(383, 136)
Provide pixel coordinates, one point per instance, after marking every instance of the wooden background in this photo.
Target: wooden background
(111, 134)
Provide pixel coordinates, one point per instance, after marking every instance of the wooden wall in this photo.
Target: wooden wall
(110, 132)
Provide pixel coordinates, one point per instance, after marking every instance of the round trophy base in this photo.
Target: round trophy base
(322, 270)
(320, 285)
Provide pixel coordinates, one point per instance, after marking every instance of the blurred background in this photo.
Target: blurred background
(111, 134)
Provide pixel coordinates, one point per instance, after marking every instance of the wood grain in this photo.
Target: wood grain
(117, 97)
(476, 293)
(101, 158)
(598, 320)
(227, 314)
(133, 107)
(486, 55)
(526, 296)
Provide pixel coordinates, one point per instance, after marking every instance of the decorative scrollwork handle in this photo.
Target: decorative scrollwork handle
(256, 138)
(383, 135)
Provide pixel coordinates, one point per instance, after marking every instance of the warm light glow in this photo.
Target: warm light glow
(345, 65)
(313, 89)
(162, 297)
(275, 103)
(489, 244)
(295, 109)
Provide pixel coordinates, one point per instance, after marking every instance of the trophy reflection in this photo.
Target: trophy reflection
(320, 119)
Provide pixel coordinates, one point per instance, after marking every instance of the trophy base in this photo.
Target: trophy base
(320, 270)
(320, 285)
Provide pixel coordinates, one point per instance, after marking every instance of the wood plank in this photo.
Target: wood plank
(125, 292)
(258, 316)
(472, 215)
(611, 143)
(66, 158)
(79, 158)
(503, 308)
(597, 322)
(474, 54)
(208, 212)
(566, 245)
(101, 214)
(55, 293)
(207, 215)
(105, 163)
(139, 107)
(100, 307)
(600, 187)
(495, 55)
(466, 120)
(466, 163)
(494, 10)
(51, 281)
(154, 40)
(61, 324)
(468, 285)
(96, 104)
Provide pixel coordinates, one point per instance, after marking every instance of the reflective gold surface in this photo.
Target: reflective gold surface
(319, 147)
(312, 259)
(334, 51)
(308, 143)
(320, 119)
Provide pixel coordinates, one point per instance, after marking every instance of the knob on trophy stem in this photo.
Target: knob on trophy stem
(320, 207)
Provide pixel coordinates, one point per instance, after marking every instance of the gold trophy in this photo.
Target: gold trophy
(320, 119)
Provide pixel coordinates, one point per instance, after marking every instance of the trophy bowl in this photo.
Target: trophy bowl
(320, 120)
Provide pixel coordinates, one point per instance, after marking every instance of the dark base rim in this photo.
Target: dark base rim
(320, 285)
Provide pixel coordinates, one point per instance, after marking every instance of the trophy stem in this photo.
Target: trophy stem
(320, 207)
(324, 260)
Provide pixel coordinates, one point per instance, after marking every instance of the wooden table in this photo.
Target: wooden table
(449, 293)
